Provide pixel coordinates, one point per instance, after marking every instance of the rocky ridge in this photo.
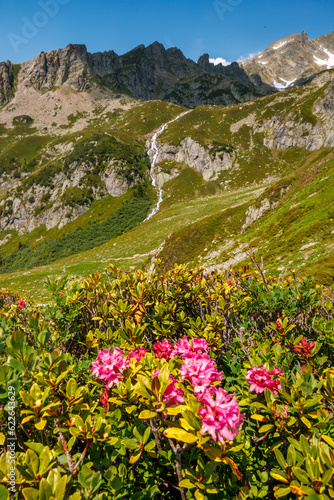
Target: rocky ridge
(291, 61)
(145, 73)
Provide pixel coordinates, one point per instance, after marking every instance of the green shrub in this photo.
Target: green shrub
(23, 119)
(145, 433)
(76, 196)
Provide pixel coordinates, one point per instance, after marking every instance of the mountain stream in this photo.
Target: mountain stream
(153, 153)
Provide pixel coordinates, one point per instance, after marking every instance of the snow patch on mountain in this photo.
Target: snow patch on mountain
(322, 62)
(279, 45)
(283, 86)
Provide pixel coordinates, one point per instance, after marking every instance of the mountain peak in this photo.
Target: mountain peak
(292, 60)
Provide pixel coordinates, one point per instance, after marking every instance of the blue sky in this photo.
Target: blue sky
(222, 28)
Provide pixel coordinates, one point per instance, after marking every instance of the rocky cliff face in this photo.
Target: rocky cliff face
(198, 158)
(145, 73)
(291, 61)
(285, 131)
(57, 193)
(72, 65)
(6, 82)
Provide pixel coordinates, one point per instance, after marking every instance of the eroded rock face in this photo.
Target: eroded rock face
(255, 213)
(116, 185)
(162, 176)
(6, 82)
(198, 158)
(47, 204)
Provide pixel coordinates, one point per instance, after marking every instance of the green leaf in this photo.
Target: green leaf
(45, 492)
(15, 363)
(291, 456)
(327, 476)
(199, 495)
(328, 440)
(130, 409)
(32, 461)
(295, 443)
(136, 456)
(40, 424)
(304, 445)
(280, 458)
(279, 477)
(310, 468)
(312, 496)
(18, 339)
(130, 443)
(44, 461)
(154, 490)
(186, 483)
(191, 419)
(306, 422)
(147, 434)
(147, 414)
(30, 494)
(180, 435)
(150, 446)
(282, 492)
(266, 428)
(4, 494)
(37, 447)
(301, 475)
(71, 387)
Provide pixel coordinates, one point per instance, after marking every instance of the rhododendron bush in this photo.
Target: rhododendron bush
(183, 385)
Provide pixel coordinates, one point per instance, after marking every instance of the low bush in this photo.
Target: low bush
(178, 385)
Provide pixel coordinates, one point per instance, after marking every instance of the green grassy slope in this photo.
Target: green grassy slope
(297, 235)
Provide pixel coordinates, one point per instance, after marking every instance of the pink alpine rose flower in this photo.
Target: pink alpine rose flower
(260, 377)
(221, 416)
(201, 372)
(111, 369)
(137, 354)
(173, 395)
(163, 350)
(21, 303)
(185, 349)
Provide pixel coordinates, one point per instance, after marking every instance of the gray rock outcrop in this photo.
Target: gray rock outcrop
(198, 158)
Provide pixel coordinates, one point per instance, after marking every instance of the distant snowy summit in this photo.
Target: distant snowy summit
(291, 60)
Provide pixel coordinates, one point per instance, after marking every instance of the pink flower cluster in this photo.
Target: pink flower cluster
(220, 412)
(111, 369)
(137, 354)
(182, 348)
(173, 395)
(221, 416)
(21, 303)
(185, 350)
(163, 350)
(201, 372)
(260, 377)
